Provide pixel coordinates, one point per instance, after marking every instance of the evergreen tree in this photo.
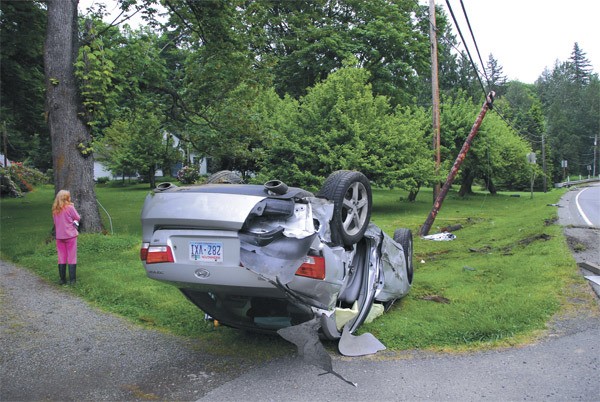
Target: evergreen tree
(580, 65)
(496, 79)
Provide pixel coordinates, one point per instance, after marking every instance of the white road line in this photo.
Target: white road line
(585, 218)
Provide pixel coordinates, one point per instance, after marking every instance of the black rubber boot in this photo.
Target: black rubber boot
(72, 274)
(62, 273)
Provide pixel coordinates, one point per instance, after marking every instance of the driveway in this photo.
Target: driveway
(54, 346)
(57, 347)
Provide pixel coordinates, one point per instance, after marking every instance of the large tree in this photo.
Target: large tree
(570, 98)
(72, 156)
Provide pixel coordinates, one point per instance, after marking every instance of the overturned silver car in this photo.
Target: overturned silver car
(267, 257)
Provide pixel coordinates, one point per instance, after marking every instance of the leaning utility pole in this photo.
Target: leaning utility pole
(454, 171)
(435, 94)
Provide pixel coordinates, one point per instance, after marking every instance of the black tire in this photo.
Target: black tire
(224, 177)
(276, 187)
(404, 237)
(351, 194)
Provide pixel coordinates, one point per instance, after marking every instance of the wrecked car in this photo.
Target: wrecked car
(267, 257)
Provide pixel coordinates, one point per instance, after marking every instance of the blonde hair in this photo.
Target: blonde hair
(62, 199)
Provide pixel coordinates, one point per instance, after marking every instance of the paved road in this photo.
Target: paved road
(588, 202)
(581, 206)
(562, 367)
(56, 347)
(577, 209)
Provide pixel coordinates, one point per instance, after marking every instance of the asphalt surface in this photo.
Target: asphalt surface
(583, 235)
(56, 347)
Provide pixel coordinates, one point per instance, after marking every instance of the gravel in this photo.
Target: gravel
(57, 347)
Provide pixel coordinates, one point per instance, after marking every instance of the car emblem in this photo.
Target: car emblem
(202, 273)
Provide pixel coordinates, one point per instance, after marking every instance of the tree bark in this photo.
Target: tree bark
(466, 186)
(73, 166)
(491, 187)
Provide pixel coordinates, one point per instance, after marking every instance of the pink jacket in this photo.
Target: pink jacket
(63, 222)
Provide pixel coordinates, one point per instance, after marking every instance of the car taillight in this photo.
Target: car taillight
(144, 251)
(158, 254)
(313, 267)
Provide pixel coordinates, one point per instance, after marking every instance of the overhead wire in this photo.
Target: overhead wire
(449, 43)
(466, 47)
(521, 132)
(474, 42)
(532, 138)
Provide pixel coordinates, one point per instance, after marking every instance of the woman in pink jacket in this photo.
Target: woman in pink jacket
(66, 222)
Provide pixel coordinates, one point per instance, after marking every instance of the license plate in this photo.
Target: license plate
(206, 252)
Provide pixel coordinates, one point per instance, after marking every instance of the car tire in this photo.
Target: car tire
(224, 177)
(404, 237)
(351, 194)
(276, 187)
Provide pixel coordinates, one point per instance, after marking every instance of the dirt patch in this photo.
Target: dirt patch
(528, 240)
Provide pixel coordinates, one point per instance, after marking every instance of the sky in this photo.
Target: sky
(524, 36)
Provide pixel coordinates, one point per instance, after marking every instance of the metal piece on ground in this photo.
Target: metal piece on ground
(306, 337)
(365, 344)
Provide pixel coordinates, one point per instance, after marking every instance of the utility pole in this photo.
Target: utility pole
(435, 94)
(544, 161)
(595, 150)
(437, 205)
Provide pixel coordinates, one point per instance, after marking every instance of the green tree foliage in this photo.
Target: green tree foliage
(497, 156)
(495, 76)
(22, 32)
(119, 70)
(137, 142)
(302, 42)
(580, 66)
(522, 107)
(250, 85)
(95, 70)
(340, 124)
(570, 100)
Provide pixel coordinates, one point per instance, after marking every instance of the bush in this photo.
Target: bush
(103, 180)
(188, 175)
(18, 179)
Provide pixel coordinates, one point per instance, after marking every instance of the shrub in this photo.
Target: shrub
(103, 180)
(188, 175)
(17, 179)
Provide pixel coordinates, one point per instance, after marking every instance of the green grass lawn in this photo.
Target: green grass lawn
(507, 273)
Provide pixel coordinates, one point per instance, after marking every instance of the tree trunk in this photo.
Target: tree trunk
(491, 187)
(412, 195)
(152, 177)
(72, 160)
(466, 186)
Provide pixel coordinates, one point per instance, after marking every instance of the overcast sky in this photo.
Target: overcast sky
(524, 36)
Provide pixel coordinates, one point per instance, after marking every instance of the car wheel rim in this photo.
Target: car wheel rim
(355, 208)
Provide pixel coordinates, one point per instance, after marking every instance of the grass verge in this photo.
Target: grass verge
(507, 273)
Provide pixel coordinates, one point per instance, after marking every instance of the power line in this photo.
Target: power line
(474, 42)
(532, 138)
(466, 47)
